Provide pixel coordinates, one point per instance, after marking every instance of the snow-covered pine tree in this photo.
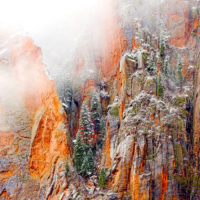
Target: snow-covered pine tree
(164, 37)
(86, 124)
(166, 66)
(102, 130)
(85, 167)
(151, 66)
(79, 153)
(90, 161)
(95, 110)
(180, 65)
(67, 96)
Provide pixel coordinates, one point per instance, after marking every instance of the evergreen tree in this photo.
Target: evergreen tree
(95, 109)
(163, 39)
(159, 86)
(79, 153)
(90, 161)
(180, 65)
(166, 66)
(102, 178)
(86, 124)
(85, 167)
(66, 96)
(151, 66)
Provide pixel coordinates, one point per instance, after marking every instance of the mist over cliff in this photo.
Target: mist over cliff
(99, 99)
(63, 29)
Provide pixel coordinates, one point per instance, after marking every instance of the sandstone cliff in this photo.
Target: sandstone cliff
(33, 124)
(146, 137)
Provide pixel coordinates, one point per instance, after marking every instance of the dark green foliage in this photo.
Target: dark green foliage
(95, 109)
(84, 163)
(90, 161)
(163, 40)
(66, 96)
(102, 178)
(79, 153)
(85, 167)
(160, 89)
(162, 48)
(88, 164)
(151, 66)
(166, 66)
(103, 129)
(86, 124)
(180, 65)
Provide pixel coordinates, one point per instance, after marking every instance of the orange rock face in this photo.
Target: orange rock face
(49, 140)
(178, 22)
(113, 44)
(29, 72)
(107, 147)
(87, 89)
(34, 132)
(164, 183)
(31, 148)
(131, 175)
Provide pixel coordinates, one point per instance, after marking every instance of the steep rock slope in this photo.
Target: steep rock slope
(147, 90)
(33, 124)
(149, 150)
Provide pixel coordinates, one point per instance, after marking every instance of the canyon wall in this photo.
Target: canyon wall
(147, 82)
(149, 144)
(34, 144)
